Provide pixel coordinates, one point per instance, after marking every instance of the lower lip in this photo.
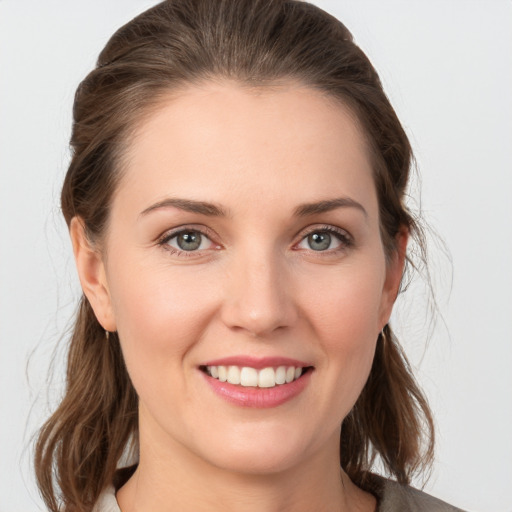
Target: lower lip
(261, 398)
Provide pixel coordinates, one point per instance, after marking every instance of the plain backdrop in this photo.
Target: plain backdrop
(446, 66)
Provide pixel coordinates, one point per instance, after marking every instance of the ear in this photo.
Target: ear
(394, 272)
(91, 271)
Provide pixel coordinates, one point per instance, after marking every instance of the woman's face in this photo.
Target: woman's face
(244, 241)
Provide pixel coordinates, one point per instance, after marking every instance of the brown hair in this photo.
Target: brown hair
(180, 42)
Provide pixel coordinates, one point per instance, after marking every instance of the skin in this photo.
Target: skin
(254, 287)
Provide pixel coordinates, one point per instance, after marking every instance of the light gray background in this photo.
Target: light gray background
(447, 68)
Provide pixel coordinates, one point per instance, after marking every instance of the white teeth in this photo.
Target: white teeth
(250, 377)
(267, 378)
(223, 374)
(281, 375)
(234, 375)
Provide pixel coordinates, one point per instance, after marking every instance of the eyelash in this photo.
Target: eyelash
(164, 240)
(343, 237)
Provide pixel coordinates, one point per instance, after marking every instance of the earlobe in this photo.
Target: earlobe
(91, 272)
(394, 272)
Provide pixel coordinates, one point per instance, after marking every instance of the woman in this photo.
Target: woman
(235, 203)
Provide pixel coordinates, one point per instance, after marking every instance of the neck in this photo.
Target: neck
(178, 480)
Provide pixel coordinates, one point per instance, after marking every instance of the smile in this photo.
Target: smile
(257, 382)
(251, 377)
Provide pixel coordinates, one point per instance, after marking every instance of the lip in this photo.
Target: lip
(258, 398)
(257, 363)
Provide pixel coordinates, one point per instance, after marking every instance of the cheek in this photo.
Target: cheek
(160, 315)
(157, 299)
(345, 303)
(345, 320)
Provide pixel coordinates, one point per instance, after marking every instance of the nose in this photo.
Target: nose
(258, 296)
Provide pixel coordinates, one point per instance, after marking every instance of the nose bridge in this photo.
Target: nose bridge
(258, 298)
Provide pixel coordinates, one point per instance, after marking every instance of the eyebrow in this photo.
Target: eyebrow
(213, 210)
(307, 209)
(188, 205)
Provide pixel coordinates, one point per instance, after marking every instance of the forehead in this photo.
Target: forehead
(221, 140)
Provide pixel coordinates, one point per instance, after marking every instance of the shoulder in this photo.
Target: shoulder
(394, 497)
(107, 501)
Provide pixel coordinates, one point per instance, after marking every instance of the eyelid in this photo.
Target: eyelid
(163, 239)
(342, 234)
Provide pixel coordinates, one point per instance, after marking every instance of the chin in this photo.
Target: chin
(261, 452)
(260, 463)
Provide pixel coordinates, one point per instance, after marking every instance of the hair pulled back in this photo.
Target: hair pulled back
(172, 45)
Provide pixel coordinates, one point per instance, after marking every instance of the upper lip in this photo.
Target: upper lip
(257, 362)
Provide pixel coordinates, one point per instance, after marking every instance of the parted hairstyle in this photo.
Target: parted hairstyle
(252, 42)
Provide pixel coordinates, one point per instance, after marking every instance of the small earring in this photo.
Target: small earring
(107, 335)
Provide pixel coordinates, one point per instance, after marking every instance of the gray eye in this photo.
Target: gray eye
(189, 240)
(319, 241)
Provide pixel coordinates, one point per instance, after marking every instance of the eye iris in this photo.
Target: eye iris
(189, 240)
(319, 241)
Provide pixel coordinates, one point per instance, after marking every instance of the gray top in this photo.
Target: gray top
(391, 496)
(394, 497)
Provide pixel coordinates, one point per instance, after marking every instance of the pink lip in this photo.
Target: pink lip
(257, 362)
(260, 398)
